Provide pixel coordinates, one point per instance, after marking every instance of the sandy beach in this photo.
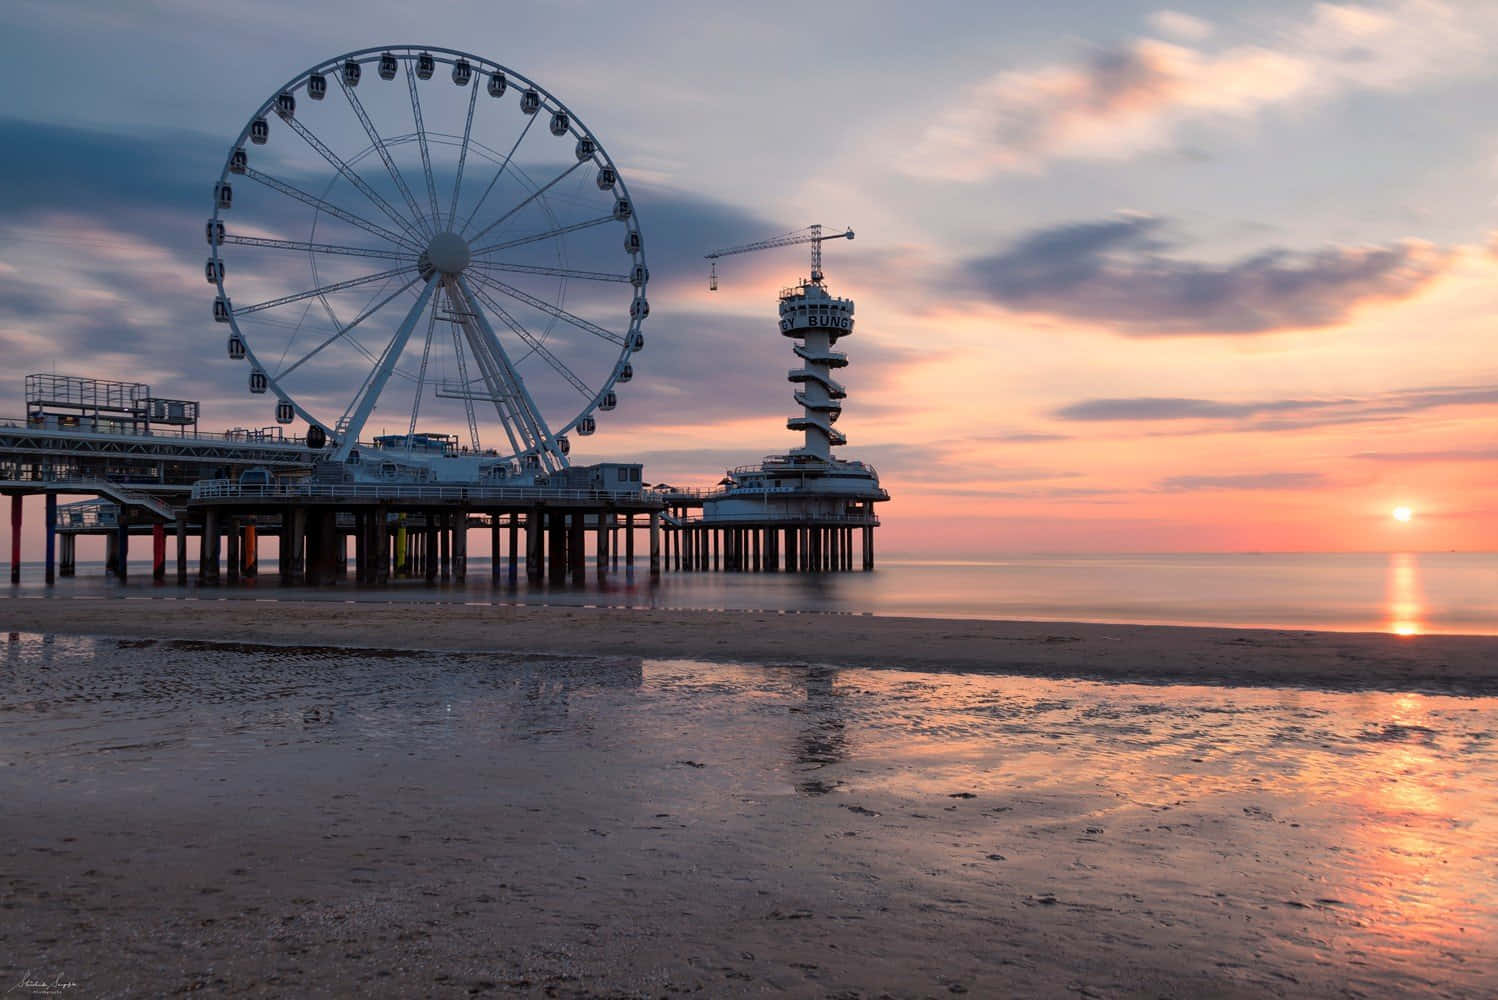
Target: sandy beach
(1333, 660)
(647, 804)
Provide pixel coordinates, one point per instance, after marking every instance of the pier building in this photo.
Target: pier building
(806, 509)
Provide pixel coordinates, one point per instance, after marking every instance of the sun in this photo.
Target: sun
(1403, 514)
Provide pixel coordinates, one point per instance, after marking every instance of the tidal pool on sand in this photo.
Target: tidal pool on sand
(316, 821)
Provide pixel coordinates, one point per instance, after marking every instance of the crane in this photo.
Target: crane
(811, 234)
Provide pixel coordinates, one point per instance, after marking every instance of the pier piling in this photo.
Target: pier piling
(51, 546)
(158, 551)
(15, 537)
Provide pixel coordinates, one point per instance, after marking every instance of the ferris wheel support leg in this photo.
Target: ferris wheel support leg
(382, 373)
(531, 425)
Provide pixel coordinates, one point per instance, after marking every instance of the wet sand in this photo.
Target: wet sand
(301, 821)
(1331, 660)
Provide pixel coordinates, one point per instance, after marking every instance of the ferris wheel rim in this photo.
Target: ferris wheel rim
(549, 103)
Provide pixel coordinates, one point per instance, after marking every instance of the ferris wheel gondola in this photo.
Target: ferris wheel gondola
(420, 253)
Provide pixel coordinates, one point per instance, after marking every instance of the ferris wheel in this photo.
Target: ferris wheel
(401, 252)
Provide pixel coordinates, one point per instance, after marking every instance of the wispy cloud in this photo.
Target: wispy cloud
(1115, 272)
(1247, 481)
(1024, 437)
(1183, 408)
(1276, 414)
(1447, 455)
(1135, 96)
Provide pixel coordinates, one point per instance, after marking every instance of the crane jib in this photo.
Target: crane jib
(811, 234)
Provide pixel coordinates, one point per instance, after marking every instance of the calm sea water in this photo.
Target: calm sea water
(1400, 592)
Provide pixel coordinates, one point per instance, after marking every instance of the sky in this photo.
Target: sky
(1206, 276)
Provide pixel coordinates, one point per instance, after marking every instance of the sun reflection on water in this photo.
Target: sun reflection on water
(1406, 604)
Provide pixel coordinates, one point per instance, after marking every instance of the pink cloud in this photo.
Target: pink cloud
(1126, 99)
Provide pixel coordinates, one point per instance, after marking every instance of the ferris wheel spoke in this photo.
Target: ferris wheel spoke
(353, 178)
(556, 272)
(551, 310)
(344, 330)
(292, 191)
(380, 147)
(536, 345)
(331, 248)
(499, 173)
(537, 237)
(521, 400)
(532, 197)
(426, 154)
(421, 377)
(337, 286)
(473, 96)
(369, 393)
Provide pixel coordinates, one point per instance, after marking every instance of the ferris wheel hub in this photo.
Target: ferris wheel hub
(448, 253)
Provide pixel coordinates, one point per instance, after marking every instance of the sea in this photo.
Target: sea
(1404, 592)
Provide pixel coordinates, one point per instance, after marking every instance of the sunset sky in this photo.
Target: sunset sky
(1212, 277)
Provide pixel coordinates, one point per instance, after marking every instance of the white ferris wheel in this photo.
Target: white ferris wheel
(424, 248)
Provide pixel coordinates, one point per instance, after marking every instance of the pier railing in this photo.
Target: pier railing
(691, 497)
(224, 489)
(264, 437)
(88, 514)
(777, 517)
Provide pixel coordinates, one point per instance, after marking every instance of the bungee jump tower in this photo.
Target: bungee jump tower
(807, 509)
